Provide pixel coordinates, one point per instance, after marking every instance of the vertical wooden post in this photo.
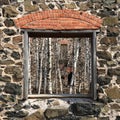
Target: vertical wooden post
(94, 70)
(26, 65)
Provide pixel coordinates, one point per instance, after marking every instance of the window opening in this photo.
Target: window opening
(59, 66)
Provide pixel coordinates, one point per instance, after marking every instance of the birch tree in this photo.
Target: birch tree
(58, 67)
(41, 64)
(49, 66)
(76, 54)
(37, 61)
(45, 65)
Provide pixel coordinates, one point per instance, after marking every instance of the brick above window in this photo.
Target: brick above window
(59, 20)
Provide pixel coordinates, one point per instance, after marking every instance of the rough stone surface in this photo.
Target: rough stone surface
(55, 112)
(29, 7)
(114, 71)
(109, 41)
(84, 6)
(12, 70)
(15, 55)
(103, 80)
(110, 21)
(10, 46)
(1, 72)
(6, 62)
(83, 109)
(9, 23)
(5, 78)
(115, 106)
(6, 39)
(10, 11)
(111, 63)
(108, 60)
(101, 71)
(70, 6)
(4, 2)
(51, 6)
(9, 32)
(104, 55)
(118, 118)
(43, 6)
(18, 114)
(38, 115)
(113, 92)
(118, 79)
(17, 39)
(113, 31)
(13, 88)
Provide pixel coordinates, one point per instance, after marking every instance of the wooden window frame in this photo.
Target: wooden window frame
(50, 33)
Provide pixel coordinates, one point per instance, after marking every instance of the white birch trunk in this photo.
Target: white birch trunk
(58, 68)
(45, 67)
(50, 66)
(37, 61)
(41, 64)
(76, 54)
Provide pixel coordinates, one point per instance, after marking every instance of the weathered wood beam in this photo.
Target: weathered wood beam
(94, 70)
(26, 65)
(59, 96)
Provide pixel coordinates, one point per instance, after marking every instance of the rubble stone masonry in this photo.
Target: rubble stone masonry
(107, 105)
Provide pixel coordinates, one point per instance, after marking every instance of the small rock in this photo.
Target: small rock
(6, 40)
(109, 41)
(118, 79)
(5, 78)
(117, 117)
(29, 7)
(9, 31)
(10, 11)
(111, 63)
(114, 71)
(83, 109)
(113, 92)
(35, 106)
(10, 46)
(17, 39)
(20, 9)
(18, 114)
(71, 5)
(4, 2)
(54, 112)
(43, 6)
(13, 88)
(104, 55)
(103, 80)
(110, 21)
(15, 55)
(38, 115)
(9, 23)
(115, 106)
(51, 6)
(27, 106)
(18, 107)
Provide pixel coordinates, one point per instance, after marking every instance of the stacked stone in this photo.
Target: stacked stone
(108, 51)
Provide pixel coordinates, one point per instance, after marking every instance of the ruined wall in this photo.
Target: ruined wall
(108, 51)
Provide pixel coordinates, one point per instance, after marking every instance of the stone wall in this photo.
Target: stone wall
(108, 53)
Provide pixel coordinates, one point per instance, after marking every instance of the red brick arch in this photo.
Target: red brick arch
(59, 20)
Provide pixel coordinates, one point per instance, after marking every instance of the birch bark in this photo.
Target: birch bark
(76, 54)
(41, 64)
(50, 65)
